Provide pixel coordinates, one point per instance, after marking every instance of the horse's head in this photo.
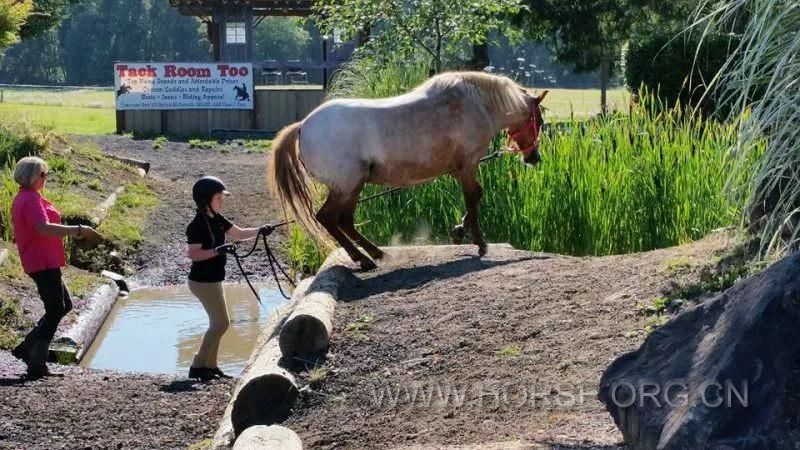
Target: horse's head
(523, 137)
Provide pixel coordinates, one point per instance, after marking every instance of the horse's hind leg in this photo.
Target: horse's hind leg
(472, 197)
(329, 216)
(347, 224)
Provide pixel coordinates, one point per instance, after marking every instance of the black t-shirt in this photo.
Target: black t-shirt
(210, 232)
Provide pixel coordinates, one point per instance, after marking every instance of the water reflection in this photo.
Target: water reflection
(159, 330)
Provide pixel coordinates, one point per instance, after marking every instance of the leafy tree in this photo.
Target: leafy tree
(281, 38)
(13, 14)
(46, 14)
(436, 27)
(589, 34)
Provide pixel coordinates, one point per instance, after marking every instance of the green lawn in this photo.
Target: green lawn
(83, 111)
(61, 119)
(84, 98)
(561, 103)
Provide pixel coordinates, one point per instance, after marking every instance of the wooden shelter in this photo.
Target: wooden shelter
(230, 23)
(230, 26)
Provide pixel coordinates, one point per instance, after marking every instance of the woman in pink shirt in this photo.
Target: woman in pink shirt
(38, 234)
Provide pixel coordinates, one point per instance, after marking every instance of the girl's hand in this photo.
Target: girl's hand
(267, 229)
(226, 248)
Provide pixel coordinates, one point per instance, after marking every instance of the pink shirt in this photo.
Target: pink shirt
(37, 252)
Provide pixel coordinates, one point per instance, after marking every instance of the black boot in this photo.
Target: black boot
(21, 353)
(37, 362)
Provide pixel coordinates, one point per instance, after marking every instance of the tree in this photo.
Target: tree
(281, 38)
(589, 34)
(46, 14)
(436, 27)
(13, 14)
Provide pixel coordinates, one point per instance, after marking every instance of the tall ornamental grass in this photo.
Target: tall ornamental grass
(762, 80)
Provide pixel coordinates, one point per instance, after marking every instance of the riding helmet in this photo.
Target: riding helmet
(205, 188)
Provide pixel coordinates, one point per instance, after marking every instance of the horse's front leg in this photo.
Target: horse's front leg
(472, 197)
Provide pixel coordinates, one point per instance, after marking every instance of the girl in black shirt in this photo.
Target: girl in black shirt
(207, 249)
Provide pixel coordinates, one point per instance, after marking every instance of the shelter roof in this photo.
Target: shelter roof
(260, 7)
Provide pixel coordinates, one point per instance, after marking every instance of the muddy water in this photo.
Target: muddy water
(159, 330)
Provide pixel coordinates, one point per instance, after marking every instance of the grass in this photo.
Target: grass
(202, 143)
(9, 313)
(159, 142)
(81, 283)
(125, 221)
(83, 98)
(582, 103)
(612, 185)
(317, 375)
(61, 119)
(510, 351)
(258, 145)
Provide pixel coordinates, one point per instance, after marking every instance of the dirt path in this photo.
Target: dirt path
(103, 409)
(450, 349)
(163, 259)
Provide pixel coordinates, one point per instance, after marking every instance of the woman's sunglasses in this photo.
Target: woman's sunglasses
(43, 175)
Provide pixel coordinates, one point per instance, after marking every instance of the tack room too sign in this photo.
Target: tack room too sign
(183, 85)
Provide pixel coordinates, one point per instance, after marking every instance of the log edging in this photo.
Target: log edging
(70, 347)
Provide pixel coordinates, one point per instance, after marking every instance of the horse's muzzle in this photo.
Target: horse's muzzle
(533, 157)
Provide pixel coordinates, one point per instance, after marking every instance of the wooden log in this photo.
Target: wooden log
(308, 330)
(72, 345)
(144, 165)
(273, 437)
(265, 392)
(103, 208)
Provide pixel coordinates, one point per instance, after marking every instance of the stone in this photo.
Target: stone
(722, 374)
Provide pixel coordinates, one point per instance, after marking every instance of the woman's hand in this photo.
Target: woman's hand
(89, 234)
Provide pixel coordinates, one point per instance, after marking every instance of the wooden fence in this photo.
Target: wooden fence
(274, 108)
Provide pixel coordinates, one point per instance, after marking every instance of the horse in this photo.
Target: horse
(241, 92)
(443, 125)
(124, 89)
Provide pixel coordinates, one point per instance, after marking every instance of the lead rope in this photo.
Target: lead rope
(273, 261)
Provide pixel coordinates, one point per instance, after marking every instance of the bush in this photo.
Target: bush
(14, 145)
(668, 62)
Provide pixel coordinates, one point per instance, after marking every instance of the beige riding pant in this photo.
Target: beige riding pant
(212, 296)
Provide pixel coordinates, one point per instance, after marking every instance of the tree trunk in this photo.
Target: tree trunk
(605, 70)
(480, 57)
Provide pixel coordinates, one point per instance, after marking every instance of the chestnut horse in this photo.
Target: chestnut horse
(444, 125)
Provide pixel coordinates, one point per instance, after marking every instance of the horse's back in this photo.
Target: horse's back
(346, 141)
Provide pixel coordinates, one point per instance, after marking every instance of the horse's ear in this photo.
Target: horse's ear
(541, 97)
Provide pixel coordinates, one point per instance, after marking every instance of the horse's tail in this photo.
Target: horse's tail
(289, 180)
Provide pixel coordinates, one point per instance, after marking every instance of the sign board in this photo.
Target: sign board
(157, 86)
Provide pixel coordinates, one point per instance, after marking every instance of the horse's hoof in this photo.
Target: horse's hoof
(482, 250)
(367, 264)
(457, 234)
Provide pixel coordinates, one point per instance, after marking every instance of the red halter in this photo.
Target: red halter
(531, 127)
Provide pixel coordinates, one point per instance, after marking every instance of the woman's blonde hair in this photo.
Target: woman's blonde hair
(27, 169)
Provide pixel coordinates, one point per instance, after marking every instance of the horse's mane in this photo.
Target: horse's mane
(499, 94)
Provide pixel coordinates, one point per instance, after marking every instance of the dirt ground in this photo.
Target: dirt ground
(521, 337)
(440, 347)
(103, 409)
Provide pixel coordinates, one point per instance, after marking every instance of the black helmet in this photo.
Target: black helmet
(205, 188)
